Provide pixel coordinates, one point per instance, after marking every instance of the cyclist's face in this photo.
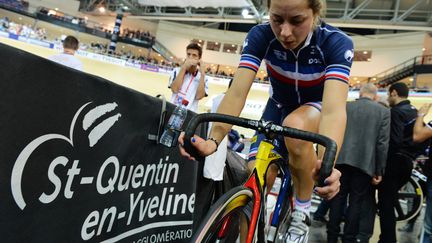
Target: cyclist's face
(291, 21)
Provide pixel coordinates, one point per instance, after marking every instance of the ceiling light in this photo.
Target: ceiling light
(101, 9)
(245, 13)
(365, 52)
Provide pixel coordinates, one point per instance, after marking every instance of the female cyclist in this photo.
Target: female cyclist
(308, 63)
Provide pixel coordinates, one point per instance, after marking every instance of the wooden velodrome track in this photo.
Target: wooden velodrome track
(152, 83)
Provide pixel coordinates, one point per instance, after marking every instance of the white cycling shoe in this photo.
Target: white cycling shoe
(298, 231)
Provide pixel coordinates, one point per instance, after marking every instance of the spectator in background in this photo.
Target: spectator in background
(67, 58)
(421, 133)
(215, 163)
(401, 153)
(189, 82)
(361, 160)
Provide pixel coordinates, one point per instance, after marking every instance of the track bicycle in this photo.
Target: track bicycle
(246, 203)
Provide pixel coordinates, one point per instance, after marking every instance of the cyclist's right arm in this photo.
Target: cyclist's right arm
(233, 101)
(232, 104)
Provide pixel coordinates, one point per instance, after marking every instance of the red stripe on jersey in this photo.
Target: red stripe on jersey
(300, 83)
(248, 65)
(337, 76)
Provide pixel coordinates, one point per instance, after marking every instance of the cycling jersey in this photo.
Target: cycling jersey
(298, 77)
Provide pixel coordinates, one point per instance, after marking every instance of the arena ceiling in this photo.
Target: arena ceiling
(410, 15)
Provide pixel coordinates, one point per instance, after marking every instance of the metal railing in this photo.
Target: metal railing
(406, 67)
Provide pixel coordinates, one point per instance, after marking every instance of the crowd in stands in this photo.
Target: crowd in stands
(15, 4)
(126, 33)
(63, 17)
(101, 48)
(22, 29)
(137, 34)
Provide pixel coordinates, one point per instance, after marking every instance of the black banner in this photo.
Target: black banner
(76, 164)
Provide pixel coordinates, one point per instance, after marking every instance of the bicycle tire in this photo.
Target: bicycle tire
(231, 204)
(402, 210)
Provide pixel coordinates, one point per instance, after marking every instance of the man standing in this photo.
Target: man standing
(361, 160)
(399, 159)
(67, 58)
(189, 81)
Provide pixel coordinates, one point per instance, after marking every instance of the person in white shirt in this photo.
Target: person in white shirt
(67, 58)
(215, 163)
(189, 81)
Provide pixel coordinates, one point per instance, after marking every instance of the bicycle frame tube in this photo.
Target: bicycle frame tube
(256, 184)
(286, 182)
(252, 184)
(262, 160)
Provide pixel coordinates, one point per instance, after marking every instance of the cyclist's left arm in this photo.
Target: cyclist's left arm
(332, 125)
(339, 53)
(333, 115)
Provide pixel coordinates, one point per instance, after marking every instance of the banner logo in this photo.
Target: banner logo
(153, 198)
(95, 134)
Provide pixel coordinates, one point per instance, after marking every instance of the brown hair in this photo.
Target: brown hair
(317, 6)
(70, 42)
(195, 46)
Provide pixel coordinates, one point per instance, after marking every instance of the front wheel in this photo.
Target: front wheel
(223, 220)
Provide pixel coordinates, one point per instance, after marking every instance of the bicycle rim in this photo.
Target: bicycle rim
(410, 199)
(225, 212)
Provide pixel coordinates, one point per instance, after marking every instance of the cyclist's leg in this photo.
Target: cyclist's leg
(302, 160)
(302, 156)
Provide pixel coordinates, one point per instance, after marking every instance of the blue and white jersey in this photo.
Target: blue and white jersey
(298, 77)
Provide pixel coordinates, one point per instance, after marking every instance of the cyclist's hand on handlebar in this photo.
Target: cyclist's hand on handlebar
(332, 183)
(376, 180)
(204, 147)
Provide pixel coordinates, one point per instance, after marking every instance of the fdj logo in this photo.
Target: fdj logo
(314, 61)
